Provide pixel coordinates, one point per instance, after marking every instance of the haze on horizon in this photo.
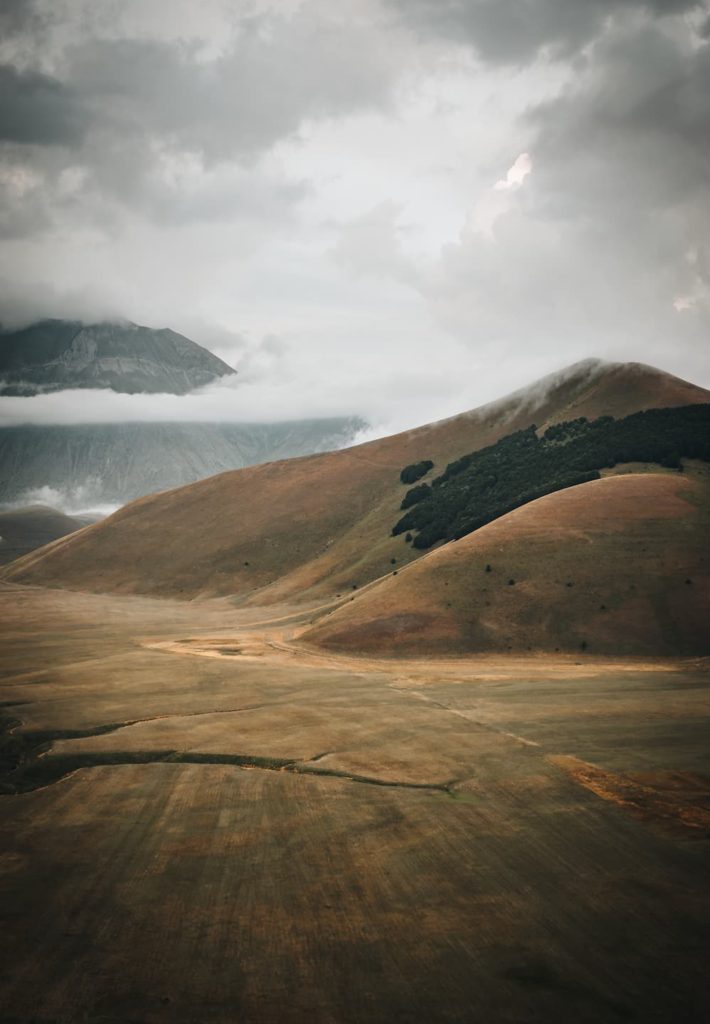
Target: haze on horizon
(392, 208)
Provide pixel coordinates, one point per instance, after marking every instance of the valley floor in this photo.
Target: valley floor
(206, 820)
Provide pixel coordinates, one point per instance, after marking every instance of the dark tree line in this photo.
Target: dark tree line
(481, 486)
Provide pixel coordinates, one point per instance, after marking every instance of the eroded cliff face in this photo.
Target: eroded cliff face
(58, 354)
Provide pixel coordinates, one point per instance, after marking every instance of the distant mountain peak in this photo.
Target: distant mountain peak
(54, 355)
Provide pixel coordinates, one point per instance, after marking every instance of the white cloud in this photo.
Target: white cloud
(76, 501)
(516, 174)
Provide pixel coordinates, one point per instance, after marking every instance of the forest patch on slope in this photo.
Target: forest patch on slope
(484, 485)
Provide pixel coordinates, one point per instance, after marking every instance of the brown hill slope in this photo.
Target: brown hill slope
(24, 529)
(319, 525)
(619, 565)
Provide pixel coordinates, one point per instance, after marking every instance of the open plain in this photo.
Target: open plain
(208, 819)
(266, 761)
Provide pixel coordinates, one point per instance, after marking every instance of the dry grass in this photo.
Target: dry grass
(618, 565)
(289, 884)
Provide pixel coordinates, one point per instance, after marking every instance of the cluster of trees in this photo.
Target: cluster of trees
(415, 494)
(410, 474)
(486, 484)
(562, 433)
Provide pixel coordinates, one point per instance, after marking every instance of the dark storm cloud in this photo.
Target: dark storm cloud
(16, 15)
(633, 136)
(516, 30)
(131, 113)
(604, 248)
(259, 90)
(38, 109)
(623, 162)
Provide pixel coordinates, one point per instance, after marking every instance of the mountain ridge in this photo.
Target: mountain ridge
(54, 355)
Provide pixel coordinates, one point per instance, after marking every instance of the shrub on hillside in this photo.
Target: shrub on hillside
(415, 494)
(410, 474)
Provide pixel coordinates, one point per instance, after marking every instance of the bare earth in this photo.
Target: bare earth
(219, 822)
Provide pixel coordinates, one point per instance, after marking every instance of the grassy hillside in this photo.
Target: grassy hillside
(24, 529)
(321, 525)
(619, 565)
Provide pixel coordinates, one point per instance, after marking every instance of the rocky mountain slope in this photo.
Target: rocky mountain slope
(85, 467)
(320, 526)
(54, 355)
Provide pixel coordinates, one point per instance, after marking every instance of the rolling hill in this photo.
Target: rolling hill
(53, 355)
(619, 565)
(319, 526)
(25, 529)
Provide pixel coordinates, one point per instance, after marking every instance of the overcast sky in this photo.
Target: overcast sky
(393, 208)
